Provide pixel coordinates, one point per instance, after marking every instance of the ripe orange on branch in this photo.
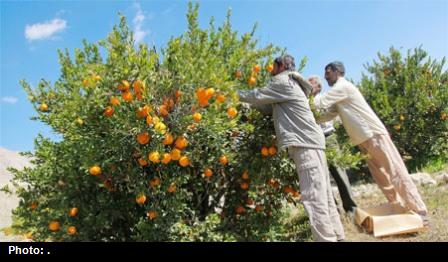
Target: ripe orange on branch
(232, 112)
(71, 230)
(181, 143)
(43, 107)
(251, 81)
(184, 161)
(141, 199)
(54, 225)
(197, 117)
(95, 170)
(223, 160)
(143, 138)
(73, 211)
(208, 172)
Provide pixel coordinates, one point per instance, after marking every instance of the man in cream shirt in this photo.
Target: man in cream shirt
(368, 132)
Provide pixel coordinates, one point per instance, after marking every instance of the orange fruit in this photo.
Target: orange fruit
(142, 161)
(178, 94)
(160, 127)
(171, 188)
(33, 205)
(232, 112)
(43, 107)
(197, 117)
(288, 190)
(54, 225)
(251, 81)
(223, 160)
(127, 96)
(244, 186)
(397, 127)
(79, 121)
(71, 230)
(108, 111)
(170, 103)
(154, 157)
(273, 183)
(151, 215)
(208, 172)
(140, 199)
(143, 138)
(137, 86)
(175, 154)
(154, 182)
(73, 211)
(264, 151)
(126, 84)
(184, 161)
(270, 67)
(272, 151)
(96, 77)
(238, 74)
(221, 98)
(166, 158)
(209, 92)
(202, 97)
(245, 175)
(114, 101)
(149, 120)
(85, 82)
(181, 143)
(443, 116)
(168, 140)
(163, 110)
(296, 194)
(256, 68)
(240, 210)
(402, 118)
(95, 170)
(143, 112)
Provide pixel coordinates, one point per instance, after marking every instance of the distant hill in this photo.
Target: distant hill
(7, 202)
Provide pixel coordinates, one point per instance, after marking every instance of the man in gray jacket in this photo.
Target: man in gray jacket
(296, 130)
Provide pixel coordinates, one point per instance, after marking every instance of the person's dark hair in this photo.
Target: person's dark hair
(336, 66)
(287, 61)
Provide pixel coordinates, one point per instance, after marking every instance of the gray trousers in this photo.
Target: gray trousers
(317, 196)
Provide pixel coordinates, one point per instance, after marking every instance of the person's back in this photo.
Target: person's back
(293, 120)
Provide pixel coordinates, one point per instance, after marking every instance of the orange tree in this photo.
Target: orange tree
(410, 95)
(156, 146)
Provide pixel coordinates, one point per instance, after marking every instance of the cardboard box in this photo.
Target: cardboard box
(388, 219)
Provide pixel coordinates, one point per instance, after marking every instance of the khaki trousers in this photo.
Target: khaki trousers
(317, 196)
(390, 173)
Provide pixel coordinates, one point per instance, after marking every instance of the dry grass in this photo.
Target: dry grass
(436, 199)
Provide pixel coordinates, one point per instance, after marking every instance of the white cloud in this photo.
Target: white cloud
(9, 99)
(44, 30)
(140, 17)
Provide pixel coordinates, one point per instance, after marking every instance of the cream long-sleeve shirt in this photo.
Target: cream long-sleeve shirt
(359, 120)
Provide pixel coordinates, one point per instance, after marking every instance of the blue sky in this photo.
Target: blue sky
(350, 31)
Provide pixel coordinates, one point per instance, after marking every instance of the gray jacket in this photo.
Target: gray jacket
(293, 120)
